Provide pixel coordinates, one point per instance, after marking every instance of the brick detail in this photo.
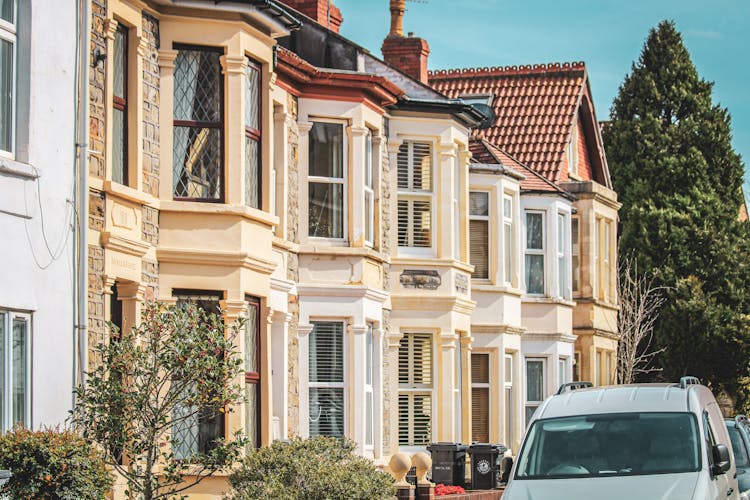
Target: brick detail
(96, 210)
(388, 389)
(386, 203)
(97, 111)
(151, 100)
(408, 54)
(150, 276)
(318, 11)
(96, 325)
(293, 360)
(150, 225)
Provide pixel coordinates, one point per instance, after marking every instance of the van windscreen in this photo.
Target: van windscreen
(610, 445)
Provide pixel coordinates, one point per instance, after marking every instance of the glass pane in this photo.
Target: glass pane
(403, 223)
(252, 102)
(211, 428)
(530, 412)
(479, 203)
(560, 233)
(119, 63)
(507, 251)
(197, 86)
(534, 231)
(197, 162)
(507, 207)
(251, 338)
(369, 216)
(252, 173)
(184, 431)
(479, 248)
(368, 355)
(368, 160)
(7, 8)
(327, 150)
(20, 371)
(598, 368)
(535, 274)
(3, 387)
(421, 166)
(480, 368)
(326, 412)
(738, 445)
(534, 380)
(509, 416)
(6, 95)
(508, 368)
(326, 352)
(561, 276)
(574, 257)
(251, 415)
(118, 146)
(421, 224)
(561, 371)
(326, 210)
(414, 419)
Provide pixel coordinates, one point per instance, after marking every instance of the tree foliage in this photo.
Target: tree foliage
(674, 169)
(52, 464)
(174, 369)
(319, 468)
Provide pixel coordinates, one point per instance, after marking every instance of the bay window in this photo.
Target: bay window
(369, 192)
(326, 180)
(507, 239)
(415, 389)
(253, 166)
(561, 268)
(535, 253)
(535, 377)
(198, 169)
(326, 379)
(252, 372)
(15, 369)
(7, 76)
(415, 193)
(120, 106)
(479, 237)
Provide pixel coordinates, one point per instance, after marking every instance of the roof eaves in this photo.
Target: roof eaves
(466, 113)
(495, 168)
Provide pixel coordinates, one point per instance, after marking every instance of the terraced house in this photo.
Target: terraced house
(407, 276)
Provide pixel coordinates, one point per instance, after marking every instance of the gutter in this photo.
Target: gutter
(466, 113)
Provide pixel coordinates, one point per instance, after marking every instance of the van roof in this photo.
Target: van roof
(625, 399)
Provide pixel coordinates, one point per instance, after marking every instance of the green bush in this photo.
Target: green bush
(309, 469)
(52, 465)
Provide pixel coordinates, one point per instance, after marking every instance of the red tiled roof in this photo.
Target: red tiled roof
(535, 108)
(484, 152)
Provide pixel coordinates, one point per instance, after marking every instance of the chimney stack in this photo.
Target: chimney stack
(322, 11)
(409, 54)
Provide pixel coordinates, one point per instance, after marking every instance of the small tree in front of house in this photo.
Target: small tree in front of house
(154, 397)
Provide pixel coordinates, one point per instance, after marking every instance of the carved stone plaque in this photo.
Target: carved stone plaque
(462, 283)
(419, 278)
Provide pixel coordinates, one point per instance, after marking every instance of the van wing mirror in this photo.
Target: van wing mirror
(721, 459)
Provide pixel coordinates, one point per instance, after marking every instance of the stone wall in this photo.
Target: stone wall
(293, 264)
(150, 276)
(96, 326)
(150, 225)
(151, 100)
(97, 110)
(96, 210)
(385, 248)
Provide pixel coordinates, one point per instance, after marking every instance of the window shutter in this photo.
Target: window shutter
(480, 414)
(478, 248)
(480, 368)
(326, 352)
(415, 382)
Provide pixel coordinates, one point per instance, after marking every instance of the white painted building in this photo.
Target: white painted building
(37, 161)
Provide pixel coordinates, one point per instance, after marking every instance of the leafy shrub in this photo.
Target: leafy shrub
(52, 465)
(309, 469)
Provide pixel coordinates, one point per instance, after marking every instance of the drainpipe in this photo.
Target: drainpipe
(82, 191)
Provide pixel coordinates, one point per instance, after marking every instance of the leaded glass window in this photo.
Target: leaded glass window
(253, 166)
(120, 106)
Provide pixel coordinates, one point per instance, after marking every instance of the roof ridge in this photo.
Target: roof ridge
(523, 69)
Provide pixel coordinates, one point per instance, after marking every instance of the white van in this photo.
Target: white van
(647, 441)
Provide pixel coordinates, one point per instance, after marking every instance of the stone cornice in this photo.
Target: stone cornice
(120, 244)
(433, 303)
(354, 291)
(550, 337)
(204, 257)
(497, 330)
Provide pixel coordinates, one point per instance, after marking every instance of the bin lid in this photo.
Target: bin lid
(5, 474)
(443, 446)
(486, 447)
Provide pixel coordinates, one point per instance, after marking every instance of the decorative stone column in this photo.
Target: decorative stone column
(390, 379)
(304, 186)
(166, 60)
(303, 336)
(132, 296)
(377, 387)
(447, 411)
(446, 183)
(232, 310)
(355, 200)
(280, 371)
(466, 344)
(356, 355)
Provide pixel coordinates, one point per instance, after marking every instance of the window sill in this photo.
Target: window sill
(128, 193)
(219, 209)
(538, 299)
(18, 169)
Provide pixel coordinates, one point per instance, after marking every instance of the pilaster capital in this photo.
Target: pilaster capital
(107, 284)
(464, 155)
(377, 140)
(394, 145)
(358, 131)
(449, 341)
(394, 339)
(110, 28)
(168, 300)
(272, 80)
(142, 45)
(467, 341)
(131, 291)
(356, 329)
(233, 309)
(304, 127)
(304, 330)
(281, 116)
(448, 149)
(233, 64)
(280, 316)
(166, 58)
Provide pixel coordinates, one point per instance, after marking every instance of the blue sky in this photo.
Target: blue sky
(608, 35)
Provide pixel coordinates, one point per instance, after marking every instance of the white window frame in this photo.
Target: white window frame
(536, 251)
(575, 253)
(562, 370)
(9, 32)
(369, 192)
(606, 261)
(456, 209)
(422, 390)
(562, 289)
(411, 195)
(478, 217)
(595, 268)
(344, 181)
(508, 246)
(533, 403)
(331, 385)
(484, 385)
(509, 416)
(8, 317)
(369, 443)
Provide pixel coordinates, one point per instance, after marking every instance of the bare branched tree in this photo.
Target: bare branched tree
(640, 302)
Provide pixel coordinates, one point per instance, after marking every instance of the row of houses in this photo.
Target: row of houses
(421, 256)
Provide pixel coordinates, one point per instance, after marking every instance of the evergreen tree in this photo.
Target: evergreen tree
(679, 180)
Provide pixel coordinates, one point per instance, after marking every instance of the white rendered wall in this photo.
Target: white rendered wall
(45, 115)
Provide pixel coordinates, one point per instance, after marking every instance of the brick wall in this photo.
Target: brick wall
(97, 111)
(292, 271)
(319, 11)
(96, 210)
(96, 326)
(150, 225)
(151, 100)
(408, 54)
(150, 276)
